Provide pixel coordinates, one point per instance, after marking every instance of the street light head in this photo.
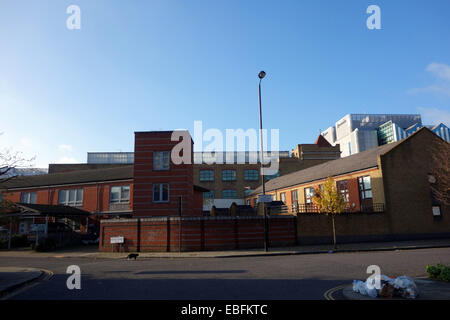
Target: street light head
(262, 74)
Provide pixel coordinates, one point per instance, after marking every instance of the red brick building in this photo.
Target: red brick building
(154, 186)
(161, 187)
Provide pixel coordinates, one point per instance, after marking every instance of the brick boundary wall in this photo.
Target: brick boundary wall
(197, 233)
(316, 228)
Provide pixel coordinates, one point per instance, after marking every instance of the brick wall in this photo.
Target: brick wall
(197, 233)
(314, 228)
(96, 196)
(407, 189)
(179, 177)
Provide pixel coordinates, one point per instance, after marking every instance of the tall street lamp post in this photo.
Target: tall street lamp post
(261, 75)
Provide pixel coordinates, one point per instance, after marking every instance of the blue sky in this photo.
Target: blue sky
(161, 65)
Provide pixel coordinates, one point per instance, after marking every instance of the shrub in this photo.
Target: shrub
(445, 274)
(17, 240)
(3, 244)
(46, 244)
(439, 272)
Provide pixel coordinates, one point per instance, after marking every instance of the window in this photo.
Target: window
(251, 175)
(294, 196)
(283, 197)
(435, 202)
(309, 194)
(28, 197)
(208, 195)
(365, 187)
(71, 197)
(161, 160)
(120, 194)
(274, 197)
(229, 175)
(229, 194)
(161, 192)
(342, 187)
(247, 191)
(206, 175)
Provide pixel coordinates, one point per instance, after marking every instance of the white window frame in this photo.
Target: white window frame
(120, 199)
(66, 201)
(158, 160)
(27, 195)
(363, 193)
(309, 195)
(160, 192)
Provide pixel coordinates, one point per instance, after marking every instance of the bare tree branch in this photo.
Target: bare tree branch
(440, 171)
(9, 162)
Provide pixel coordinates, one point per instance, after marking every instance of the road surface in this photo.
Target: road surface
(273, 277)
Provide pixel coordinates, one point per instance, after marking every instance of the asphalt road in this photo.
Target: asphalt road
(277, 277)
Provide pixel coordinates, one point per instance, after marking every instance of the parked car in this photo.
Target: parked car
(61, 233)
(90, 238)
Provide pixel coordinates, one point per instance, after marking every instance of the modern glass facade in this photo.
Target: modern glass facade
(359, 132)
(110, 157)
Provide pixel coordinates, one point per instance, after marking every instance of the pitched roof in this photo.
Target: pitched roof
(74, 177)
(66, 167)
(360, 161)
(322, 142)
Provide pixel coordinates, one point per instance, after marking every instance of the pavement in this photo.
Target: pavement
(12, 278)
(92, 251)
(428, 290)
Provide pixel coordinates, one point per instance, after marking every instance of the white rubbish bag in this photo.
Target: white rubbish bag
(406, 287)
(359, 287)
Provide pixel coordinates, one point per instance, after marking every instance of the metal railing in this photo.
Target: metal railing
(299, 208)
(374, 207)
(278, 210)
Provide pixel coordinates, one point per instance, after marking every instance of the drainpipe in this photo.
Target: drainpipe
(179, 223)
(46, 226)
(10, 233)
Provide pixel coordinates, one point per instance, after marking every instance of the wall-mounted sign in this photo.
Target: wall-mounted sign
(436, 211)
(116, 240)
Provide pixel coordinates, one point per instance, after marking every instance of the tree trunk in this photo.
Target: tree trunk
(334, 232)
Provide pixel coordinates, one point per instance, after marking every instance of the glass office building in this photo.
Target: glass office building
(110, 157)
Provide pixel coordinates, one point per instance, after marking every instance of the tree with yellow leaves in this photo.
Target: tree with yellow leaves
(329, 201)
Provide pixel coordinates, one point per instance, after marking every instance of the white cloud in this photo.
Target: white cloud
(435, 116)
(440, 70)
(441, 73)
(67, 160)
(65, 147)
(66, 154)
(442, 90)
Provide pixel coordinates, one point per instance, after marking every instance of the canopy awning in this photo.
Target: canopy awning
(58, 211)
